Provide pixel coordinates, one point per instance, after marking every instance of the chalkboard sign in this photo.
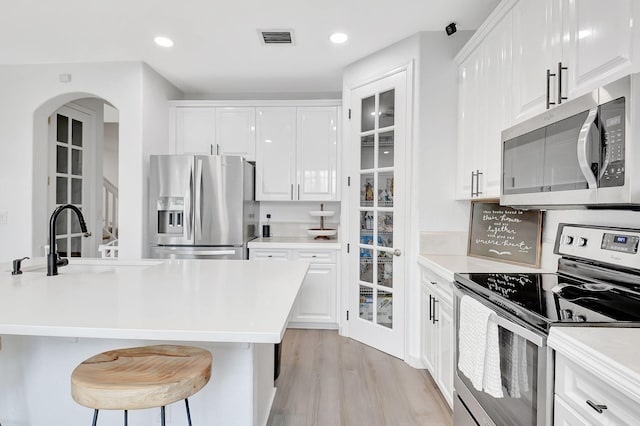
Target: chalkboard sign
(505, 234)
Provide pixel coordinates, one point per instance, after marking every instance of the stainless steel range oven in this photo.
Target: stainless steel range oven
(597, 283)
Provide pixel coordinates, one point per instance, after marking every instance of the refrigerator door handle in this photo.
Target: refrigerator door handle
(198, 199)
(188, 205)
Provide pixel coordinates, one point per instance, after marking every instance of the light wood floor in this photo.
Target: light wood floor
(326, 379)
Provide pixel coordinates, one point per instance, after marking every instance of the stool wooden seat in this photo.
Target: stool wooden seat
(142, 377)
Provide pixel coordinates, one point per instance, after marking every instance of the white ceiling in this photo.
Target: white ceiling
(217, 48)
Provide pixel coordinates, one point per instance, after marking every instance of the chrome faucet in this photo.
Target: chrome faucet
(53, 261)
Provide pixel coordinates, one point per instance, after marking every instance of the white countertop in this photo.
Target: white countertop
(609, 353)
(181, 300)
(447, 265)
(294, 243)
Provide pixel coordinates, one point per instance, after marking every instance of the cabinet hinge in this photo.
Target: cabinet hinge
(349, 113)
(347, 315)
(348, 180)
(348, 246)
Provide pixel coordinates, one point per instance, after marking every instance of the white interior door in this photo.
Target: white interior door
(69, 179)
(377, 214)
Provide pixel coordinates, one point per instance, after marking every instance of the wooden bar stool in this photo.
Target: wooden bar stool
(144, 377)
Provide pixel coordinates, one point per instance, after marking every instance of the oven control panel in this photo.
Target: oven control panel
(620, 242)
(617, 246)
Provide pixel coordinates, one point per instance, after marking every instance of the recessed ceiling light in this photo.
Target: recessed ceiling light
(163, 41)
(338, 38)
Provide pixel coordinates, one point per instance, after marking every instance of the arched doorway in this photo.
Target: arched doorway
(74, 136)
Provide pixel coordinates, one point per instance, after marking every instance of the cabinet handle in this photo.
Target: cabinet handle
(549, 75)
(430, 308)
(560, 69)
(217, 149)
(298, 191)
(598, 407)
(211, 149)
(478, 173)
(435, 320)
(291, 191)
(473, 175)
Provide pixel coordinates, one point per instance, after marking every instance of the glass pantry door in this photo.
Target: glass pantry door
(376, 308)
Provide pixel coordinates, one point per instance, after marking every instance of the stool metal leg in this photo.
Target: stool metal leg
(95, 417)
(162, 416)
(186, 403)
(126, 418)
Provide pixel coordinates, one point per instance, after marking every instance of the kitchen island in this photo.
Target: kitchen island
(236, 309)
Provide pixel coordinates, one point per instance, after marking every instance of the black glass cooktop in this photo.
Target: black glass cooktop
(545, 299)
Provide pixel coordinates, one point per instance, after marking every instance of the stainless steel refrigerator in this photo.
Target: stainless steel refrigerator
(201, 206)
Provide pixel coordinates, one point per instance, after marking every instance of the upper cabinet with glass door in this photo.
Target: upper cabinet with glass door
(565, 48)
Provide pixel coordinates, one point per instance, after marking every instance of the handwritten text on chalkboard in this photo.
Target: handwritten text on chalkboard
(504, 233)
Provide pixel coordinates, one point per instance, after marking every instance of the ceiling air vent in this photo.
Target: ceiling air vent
(276, 36)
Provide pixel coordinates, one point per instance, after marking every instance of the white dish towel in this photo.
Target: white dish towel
(478, 347)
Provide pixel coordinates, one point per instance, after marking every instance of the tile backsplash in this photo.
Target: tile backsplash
(443, 242)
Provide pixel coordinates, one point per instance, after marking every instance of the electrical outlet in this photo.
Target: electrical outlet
(3, 217)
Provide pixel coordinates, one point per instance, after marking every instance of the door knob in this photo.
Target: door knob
(397, 252)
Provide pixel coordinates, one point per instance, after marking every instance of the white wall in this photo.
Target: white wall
(156, 90)
(31, 93)
(435, 164)
(110, 152)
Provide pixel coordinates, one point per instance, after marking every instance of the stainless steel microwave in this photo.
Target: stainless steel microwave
(577, 155)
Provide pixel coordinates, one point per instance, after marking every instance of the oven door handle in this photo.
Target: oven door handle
(518, 330)
(535, 338)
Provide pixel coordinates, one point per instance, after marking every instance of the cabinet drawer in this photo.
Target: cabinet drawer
(428, 277)
(438, 285)
(564, 415)
(263, 254)
(576, 386)
(316, 256)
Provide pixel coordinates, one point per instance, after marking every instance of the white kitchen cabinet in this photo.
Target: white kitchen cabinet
(275, 153)
(564, 415)
(445, 347)
(589, 397)
(194, 130)
(437, 332)
(316, 304)
(317, 153)
(580, 44)
(316, 301)
(236, 131)
(469, 116)
(428, 330)
(213, 130)
(296, 153)
(484, 81)
(536, 47)
(597, 42)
